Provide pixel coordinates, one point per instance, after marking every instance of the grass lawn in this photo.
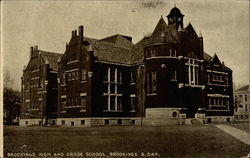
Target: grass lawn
(195, 141)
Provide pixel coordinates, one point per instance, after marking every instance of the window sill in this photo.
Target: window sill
(112, 111)
(152, 94)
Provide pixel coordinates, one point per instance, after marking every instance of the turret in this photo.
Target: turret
(175, 17)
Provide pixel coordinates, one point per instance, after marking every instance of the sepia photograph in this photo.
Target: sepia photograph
(125, 79)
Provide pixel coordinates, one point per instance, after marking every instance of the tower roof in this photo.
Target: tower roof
(175, 12)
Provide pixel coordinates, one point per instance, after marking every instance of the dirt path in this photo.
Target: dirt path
(241, 135)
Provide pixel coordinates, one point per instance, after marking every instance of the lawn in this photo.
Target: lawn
(195, 141)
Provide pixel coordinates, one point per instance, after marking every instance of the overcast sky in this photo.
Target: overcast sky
(48, 24)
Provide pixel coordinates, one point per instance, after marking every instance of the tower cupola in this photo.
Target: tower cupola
(175, 17)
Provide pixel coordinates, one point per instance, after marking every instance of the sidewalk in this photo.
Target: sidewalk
(241, 135)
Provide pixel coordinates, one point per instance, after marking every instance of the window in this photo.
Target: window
(73, 75)
(72, 123)
(83, 102)
(83, 73)
(132, 122)
(172, 52)
(77, 75)
(226, 80)
(246, 107)
(132, 77)
(119, 77)
(245, 97)
(63, 103)
(112, 75)
(112, 92)
(69, 76)
(106, 74)
(76, 103)
(119, 121)
(151, 82)
(152, 52)
(106, 122)
(119, 103)
(154, 82)
(63, 78)
(174, 76)
(82, 122)
(192, 71)
(26, 122)
(63, 122)
(132, 102)
(208, 77)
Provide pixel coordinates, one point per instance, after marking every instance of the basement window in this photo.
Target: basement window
(119, 121)
(106, 122)
(82, 122)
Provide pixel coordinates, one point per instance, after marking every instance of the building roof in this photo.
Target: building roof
(163, 33)
(52, 58)
(108, 51)
(245, 88)
(120, 40)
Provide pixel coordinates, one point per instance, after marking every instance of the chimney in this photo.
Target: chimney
(35, 48)
(80, 30)
(31, 51)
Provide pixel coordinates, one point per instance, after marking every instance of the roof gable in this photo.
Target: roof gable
(162, 33)
(189, 29)
(215, 60)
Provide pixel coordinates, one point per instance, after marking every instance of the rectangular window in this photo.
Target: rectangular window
(112, 103)
(246, 107)
(112, 75)
(76, 103)
(77, 75)
(63, 78)
(132, 77)
(174, 76)
(106, 103)
(84, 74)
(106, 74)
(69, 76)
(119, 77)
(83, 102)
(63, 122)
(132, 102)
(152, 52)
(154, 82)
(73, 75)
(82, 122)
(245, 97)
(119, 103)
(63, 104)
(148, 83)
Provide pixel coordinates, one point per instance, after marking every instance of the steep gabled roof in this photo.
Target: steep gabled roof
(245, 88)
(120, 40)
(207, 57)
(162, 33)
(52, 58)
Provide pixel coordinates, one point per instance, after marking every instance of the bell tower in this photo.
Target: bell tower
(175, 17)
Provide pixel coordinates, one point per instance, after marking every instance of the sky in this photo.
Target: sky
(48, 24)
